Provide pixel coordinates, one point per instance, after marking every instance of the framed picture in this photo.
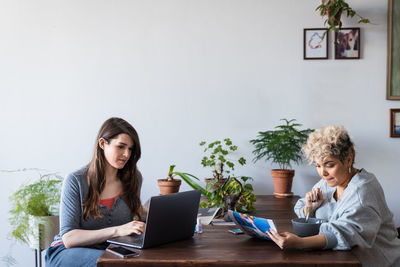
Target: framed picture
(393, 60)
(315, 47)
(395, 122)
(347, 43)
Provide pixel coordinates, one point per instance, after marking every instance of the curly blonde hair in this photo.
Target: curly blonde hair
(330, 141)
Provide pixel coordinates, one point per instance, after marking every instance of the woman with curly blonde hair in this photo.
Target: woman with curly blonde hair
(351, 200)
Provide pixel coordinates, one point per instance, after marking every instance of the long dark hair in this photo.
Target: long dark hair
(129, 175)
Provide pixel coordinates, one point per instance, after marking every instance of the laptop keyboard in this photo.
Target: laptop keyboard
(138, 239)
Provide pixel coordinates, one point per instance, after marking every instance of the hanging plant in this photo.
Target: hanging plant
(333, 10)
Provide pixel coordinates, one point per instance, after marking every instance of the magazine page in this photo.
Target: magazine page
(253, 226)
(206, 215)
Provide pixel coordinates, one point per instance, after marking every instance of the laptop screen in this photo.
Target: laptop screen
(170, 218)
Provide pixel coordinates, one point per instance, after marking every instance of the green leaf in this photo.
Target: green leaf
(233, 148)
(171, 169)
(190, 182)
(228, 141)
(230, 164)
(364, 21)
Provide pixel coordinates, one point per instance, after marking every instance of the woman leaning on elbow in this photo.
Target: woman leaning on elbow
(350, 199)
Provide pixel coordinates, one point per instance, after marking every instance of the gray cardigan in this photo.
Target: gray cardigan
(360, 220)
(73, 195)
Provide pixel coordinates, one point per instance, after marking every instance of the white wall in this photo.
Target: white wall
(181, 72)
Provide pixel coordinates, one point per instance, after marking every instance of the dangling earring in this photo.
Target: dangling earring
(349, 169)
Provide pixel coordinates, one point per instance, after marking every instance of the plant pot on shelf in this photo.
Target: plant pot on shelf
(168, 186)
(44, 229)
(282, 182)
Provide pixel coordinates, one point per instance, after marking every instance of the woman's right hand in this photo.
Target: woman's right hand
(314, 199)
(133, 227)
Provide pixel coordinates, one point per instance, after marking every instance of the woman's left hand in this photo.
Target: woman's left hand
(285, 240)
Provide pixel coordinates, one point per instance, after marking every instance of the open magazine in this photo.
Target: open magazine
(253, 226)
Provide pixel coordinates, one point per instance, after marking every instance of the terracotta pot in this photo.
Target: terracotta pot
(169, 187)
(282, 182)
(44, 229)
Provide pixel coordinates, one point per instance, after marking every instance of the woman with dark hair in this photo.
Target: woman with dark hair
(100, 200)
(351, 200)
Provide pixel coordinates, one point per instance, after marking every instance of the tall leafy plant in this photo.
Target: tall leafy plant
(281, 146)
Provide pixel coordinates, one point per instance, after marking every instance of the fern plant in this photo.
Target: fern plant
(34, 200)
(282, 146)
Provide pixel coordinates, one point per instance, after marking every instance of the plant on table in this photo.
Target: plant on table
(281, 146)
(218, 158)
(171, 182)
(169, 185)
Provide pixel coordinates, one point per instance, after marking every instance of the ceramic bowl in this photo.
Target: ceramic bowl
(309, 228)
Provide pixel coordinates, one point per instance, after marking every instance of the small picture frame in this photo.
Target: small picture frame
(315, 43)
(395, 122)
(347, 43)
(393, 60)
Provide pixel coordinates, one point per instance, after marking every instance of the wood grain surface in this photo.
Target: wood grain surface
(217, 247)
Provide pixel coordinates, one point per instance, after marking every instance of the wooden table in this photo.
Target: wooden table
(217, 247)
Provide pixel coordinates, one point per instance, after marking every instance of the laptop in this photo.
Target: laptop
(170, 218)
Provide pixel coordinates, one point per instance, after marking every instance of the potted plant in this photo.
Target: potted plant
(214, 197)
(333, 10)
(245, 202)
(169, 185)
(282, 146)
(218, 159)
(34, 211)
(212, 193)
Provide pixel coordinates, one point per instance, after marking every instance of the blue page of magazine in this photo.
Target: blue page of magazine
(253, 226)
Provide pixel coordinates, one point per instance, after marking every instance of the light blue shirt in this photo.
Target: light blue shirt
(360, 220)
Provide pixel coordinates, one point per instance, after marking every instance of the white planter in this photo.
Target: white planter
(47, 226)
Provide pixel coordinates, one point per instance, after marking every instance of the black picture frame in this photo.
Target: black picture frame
(393, 59)
(347, 43)
(395, 122)
(314, 45)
